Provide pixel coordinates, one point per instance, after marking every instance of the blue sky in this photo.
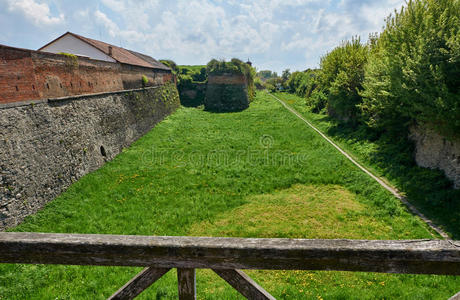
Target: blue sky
(275, 35)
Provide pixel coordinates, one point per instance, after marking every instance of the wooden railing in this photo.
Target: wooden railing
(226, 256)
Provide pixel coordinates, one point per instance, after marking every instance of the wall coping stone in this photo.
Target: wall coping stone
(73, 97)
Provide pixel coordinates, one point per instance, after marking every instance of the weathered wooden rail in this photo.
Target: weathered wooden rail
(226, 256)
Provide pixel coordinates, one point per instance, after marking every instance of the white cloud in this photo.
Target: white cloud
(109, 25)
(38, 13)
(376, 12)
(285, 33)
(115, 5)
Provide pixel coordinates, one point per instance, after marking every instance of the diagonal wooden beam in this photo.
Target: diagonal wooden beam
(186, 283)
(244, 284)
(139, 283)
(455, 297)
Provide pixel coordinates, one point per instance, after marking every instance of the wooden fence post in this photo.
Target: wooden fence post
(186, 282)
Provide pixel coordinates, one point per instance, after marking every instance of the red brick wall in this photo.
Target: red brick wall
(228, 78)
(29, 75)
(17, 79)
(59, 75)
(132, 76)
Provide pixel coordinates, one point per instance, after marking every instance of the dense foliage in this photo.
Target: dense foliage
(414, 69)
(304, 84)
(170, 64)
(341, 77)
(408, 74)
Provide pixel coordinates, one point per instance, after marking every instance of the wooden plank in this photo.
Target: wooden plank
(455, 297)
(186, 284)
(139, 283)
(244, 284)
(404, 256)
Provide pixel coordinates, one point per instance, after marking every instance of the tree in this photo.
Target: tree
(413, 73)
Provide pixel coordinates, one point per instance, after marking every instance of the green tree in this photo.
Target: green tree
(341, 78)
(413, 73)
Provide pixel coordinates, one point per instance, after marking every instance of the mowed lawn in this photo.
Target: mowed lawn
(257, 173)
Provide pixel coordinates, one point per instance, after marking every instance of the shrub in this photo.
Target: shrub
(192, 85)
(341, 77)
(413, 73)
(302, 83)
(145, 80)
(171, 64)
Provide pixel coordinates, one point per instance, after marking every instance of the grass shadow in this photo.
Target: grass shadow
(393, 157)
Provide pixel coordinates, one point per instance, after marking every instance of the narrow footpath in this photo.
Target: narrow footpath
(391, 189)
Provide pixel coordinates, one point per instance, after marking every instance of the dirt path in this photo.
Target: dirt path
(391, 189)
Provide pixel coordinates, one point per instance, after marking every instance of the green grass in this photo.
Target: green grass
(257, 173)
(392, 158)
(193, 68)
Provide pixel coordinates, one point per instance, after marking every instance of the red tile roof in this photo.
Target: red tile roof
(120, 54)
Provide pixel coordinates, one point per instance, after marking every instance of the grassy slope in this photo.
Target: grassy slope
(257, 173)
(428, 189)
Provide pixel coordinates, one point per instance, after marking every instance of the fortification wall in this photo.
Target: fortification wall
(226, 93)
(436, 152)
(28, 75)
(192, 94)
(46, 145)
(131, 76)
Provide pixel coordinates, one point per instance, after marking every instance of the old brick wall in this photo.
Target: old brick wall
(132, 76)
(59, 75)
(226, 93)
(17, 79)
(29, 75)
(48, 145)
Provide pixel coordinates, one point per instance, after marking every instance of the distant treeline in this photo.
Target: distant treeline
(408, 74)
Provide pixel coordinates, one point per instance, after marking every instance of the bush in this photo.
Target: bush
(302, 83)
(413, 73)
(341, 78)
(171, 64)
(192, 85)
(317, 102)
(145, 81)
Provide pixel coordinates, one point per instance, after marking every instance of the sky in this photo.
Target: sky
(273, 34)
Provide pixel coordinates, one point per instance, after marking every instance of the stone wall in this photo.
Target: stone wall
(192, 94)
(27, 74)
(436, 152)
(46, 145)
(226, 93)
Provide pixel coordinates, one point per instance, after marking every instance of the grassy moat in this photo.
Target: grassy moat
(256, 173)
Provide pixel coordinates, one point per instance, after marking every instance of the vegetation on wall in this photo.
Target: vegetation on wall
(73, 59)
(145, 80)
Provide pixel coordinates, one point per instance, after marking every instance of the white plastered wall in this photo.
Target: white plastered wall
(70, 44)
